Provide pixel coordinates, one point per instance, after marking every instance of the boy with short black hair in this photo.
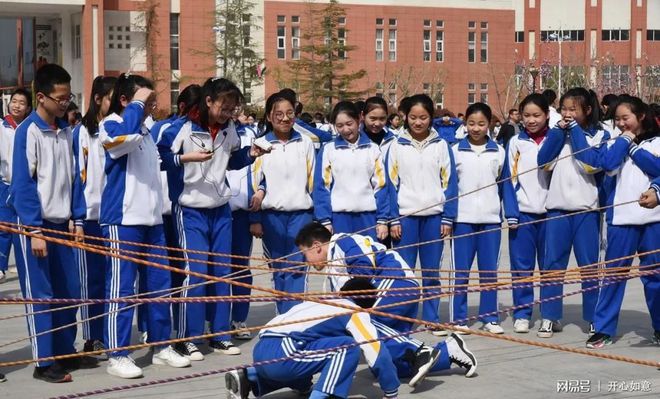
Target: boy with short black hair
(40, 193)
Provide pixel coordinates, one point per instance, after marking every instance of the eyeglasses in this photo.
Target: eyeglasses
(62, 102)
(279, 116)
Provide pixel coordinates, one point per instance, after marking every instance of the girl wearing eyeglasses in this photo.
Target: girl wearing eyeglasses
(283, 181)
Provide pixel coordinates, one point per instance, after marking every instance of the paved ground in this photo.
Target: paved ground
(505, 370)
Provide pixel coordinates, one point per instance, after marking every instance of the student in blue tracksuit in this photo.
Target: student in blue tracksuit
(283, 181)
(89, 161)
(40, 193)
(447, 127)
(529, 185)
(479, 162)
(422, 181)
(240, 182)
(20, 105)
(197, 153)
(346, 255)
(131, 211)
(350, 194)
(632, 162)
(574, 187)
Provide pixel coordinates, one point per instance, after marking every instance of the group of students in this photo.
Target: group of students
(411, 190)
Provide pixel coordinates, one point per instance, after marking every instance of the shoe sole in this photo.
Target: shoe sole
(229, 352)
(66, 378)
(545, 334)
(494, 332)
(599, 345)
(242, 338)
(161, 362)
(442, 333)
(233, 387)
(124, 376)
(195, 357)
(424, 370)
(461, 345)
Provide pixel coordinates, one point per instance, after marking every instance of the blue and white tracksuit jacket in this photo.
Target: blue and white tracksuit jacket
(350, 186)
(286, 174)
(447, 131)
(40, 194)
(336, 367)
(422, 179)
(631, 228)
(479, 220)
(7, 213)
(574, 186)
(200, 194)
(529, 185)
(316, 135)
(131, 211)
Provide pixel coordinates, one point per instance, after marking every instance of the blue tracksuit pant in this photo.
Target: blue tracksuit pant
(363, 223)
(416, 229)
(580, 232)
(7, 214)
(526, 247)
(279, 240)
(53, 276)
(120, 282)
(486, 246)
(91, 267)
(206, 230)
(626, 241)
(241, 244)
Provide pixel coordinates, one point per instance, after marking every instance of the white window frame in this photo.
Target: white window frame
(440, 46)
(391, 48)
(281, 43)
(379, 44)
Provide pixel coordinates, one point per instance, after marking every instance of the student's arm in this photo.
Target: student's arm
(509, 183)
(24, 193)
(170, 148)
(80, 151)
(647, 162)
(121, 138)
(450, 185)
(323, 181)
(381, 193)
(356, 260)
(590, 157)
(258, 181)
(377, 356)
(615, 154)
(240, 156)
(550, 149)
(312, 132)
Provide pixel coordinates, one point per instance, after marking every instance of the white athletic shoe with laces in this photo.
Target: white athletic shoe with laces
(123, 367)
(493, 328)
(521, 326)
(460, 355)
(168, 356)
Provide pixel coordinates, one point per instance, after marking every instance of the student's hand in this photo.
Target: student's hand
(562, 124)
(143, 94)
(381, 231)
(256, 151)
(196, 156)
(39, 247)
(648, 199)
(513, 226)
(395, 232)
(329, 227)
(257, 230)
(78, 234)
(445, 231)
(257, 199)
(629, 134)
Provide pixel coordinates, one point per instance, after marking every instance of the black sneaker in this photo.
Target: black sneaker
(53, 373)
(599, 340)
(94, 345)
(79, 363)
(425, 358)
(460, 355)
(656, 337)
(2, 378)
(224, 347)
(189, 350)
(237, 384)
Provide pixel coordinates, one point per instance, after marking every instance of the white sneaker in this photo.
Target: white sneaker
(461, 332)
(460, 355)
(3, 276)
(546, 330)
(225, 347)
(241, 335)
(237, 384)
(493, 328)
(123, 367)
(170, 357)
(521, 326)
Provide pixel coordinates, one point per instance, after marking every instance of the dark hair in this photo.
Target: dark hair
(373, 103)
(306, 117)
(191, 96)
(217, 88)
(459, 115)
(319, 116)
(550, 95)
(48, 76)
(22, 92)
(422, 100)
(479, 107)
(126, 86)
(610, 101)
(644, 113)
(101, 87)
(72, 107)
(404, 105)
(345, 107)
(390, 119)
(586, 100)
(360, 284)
(360, 105)
(311, 232)
(264, 124)
(512, 110)
(537, 99)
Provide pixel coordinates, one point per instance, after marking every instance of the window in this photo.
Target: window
(612, 35)
(652, 35)
(281, 19)
(281, 42)
(341, 20)
(471, 46)
(483, 96)
(616, 77)
(174, 41)
(174, 95)
(295, 19)
(341, 35)
(379, 21)
(119, 29)
(484, 47)
(484, 25)
(119, 45)
(439, 46)
(379, 44)
(483, 87)
(472, 24)
(565, 35)
(75, 41)
(520, 37)
(392, 97)
(392, 21)
(392, 86)
(439, 23)
(427, 88)
(295, 43)
(426, 45)
(120, 37)
(471, 98)
(427, 23)
(111, 28)
(392, 45)
(471, 87)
